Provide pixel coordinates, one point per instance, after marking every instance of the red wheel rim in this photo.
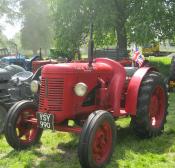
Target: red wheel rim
(157, 107)
(26, 129)
(102, 143)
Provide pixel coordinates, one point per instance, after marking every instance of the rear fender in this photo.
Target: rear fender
(133, 89)
(116, 85)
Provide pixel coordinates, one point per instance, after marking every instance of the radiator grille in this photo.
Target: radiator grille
(52, 92)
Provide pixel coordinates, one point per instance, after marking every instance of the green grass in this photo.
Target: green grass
(59, 150)
(161, 63)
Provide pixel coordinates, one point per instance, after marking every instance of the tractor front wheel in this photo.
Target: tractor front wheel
(21, 129)
(97, 140)
(151, 106)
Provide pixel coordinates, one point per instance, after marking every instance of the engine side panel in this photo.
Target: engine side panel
(116, 84)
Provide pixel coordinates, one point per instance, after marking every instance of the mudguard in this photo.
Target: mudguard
(116, 85)
(133, 89)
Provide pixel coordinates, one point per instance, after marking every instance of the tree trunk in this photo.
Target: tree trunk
(120, 27)
(121, 38)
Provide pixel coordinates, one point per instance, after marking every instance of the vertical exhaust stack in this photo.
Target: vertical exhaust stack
(40, 54)
(91, 46)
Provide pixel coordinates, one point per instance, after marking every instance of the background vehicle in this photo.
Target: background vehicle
(17, 59)
(151, 49)
(158, 48)
(20, 60)
(4, 52)
(14, 86)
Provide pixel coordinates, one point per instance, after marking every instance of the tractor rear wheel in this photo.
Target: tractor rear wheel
(97, 140)
(152, 106)
(21, 129)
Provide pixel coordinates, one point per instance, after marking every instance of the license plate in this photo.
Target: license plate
(45, 121)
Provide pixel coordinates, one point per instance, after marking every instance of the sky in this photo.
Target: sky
(9, 30)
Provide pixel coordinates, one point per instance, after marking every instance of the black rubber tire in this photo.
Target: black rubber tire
(10, 125)
(3, 114)
(92, 124)
(141, 122)
(172, 69)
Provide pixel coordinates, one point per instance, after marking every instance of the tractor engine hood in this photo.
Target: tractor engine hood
(67, 68)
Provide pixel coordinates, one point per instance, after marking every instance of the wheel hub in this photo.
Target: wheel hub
(157, 106)
(102, 143)
(25, 130)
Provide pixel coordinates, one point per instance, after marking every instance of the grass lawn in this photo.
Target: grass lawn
(59, 150)
(162, 63)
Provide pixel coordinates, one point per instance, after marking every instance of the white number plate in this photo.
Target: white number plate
(45, 121)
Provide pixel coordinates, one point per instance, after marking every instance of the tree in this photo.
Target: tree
(128, 21)
(73, 17)
(35, 33)
(152, 20)
(9, 11)
(69, 24)
(3, 40)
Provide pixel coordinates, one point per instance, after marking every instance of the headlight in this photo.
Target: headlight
(80, 89)
(34, 86)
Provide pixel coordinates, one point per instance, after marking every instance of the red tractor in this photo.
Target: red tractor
(93, 94)
(37, 64)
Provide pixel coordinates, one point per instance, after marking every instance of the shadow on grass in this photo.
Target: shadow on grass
(1, 136)
(70, 145)
(129, 141)
(64, 155)
(17, 153)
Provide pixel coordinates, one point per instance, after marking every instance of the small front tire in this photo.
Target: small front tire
(97, 140)
(21, 129)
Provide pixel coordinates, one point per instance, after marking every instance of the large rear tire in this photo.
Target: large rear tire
(151, 106)
(97, 140)
(21, 129)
